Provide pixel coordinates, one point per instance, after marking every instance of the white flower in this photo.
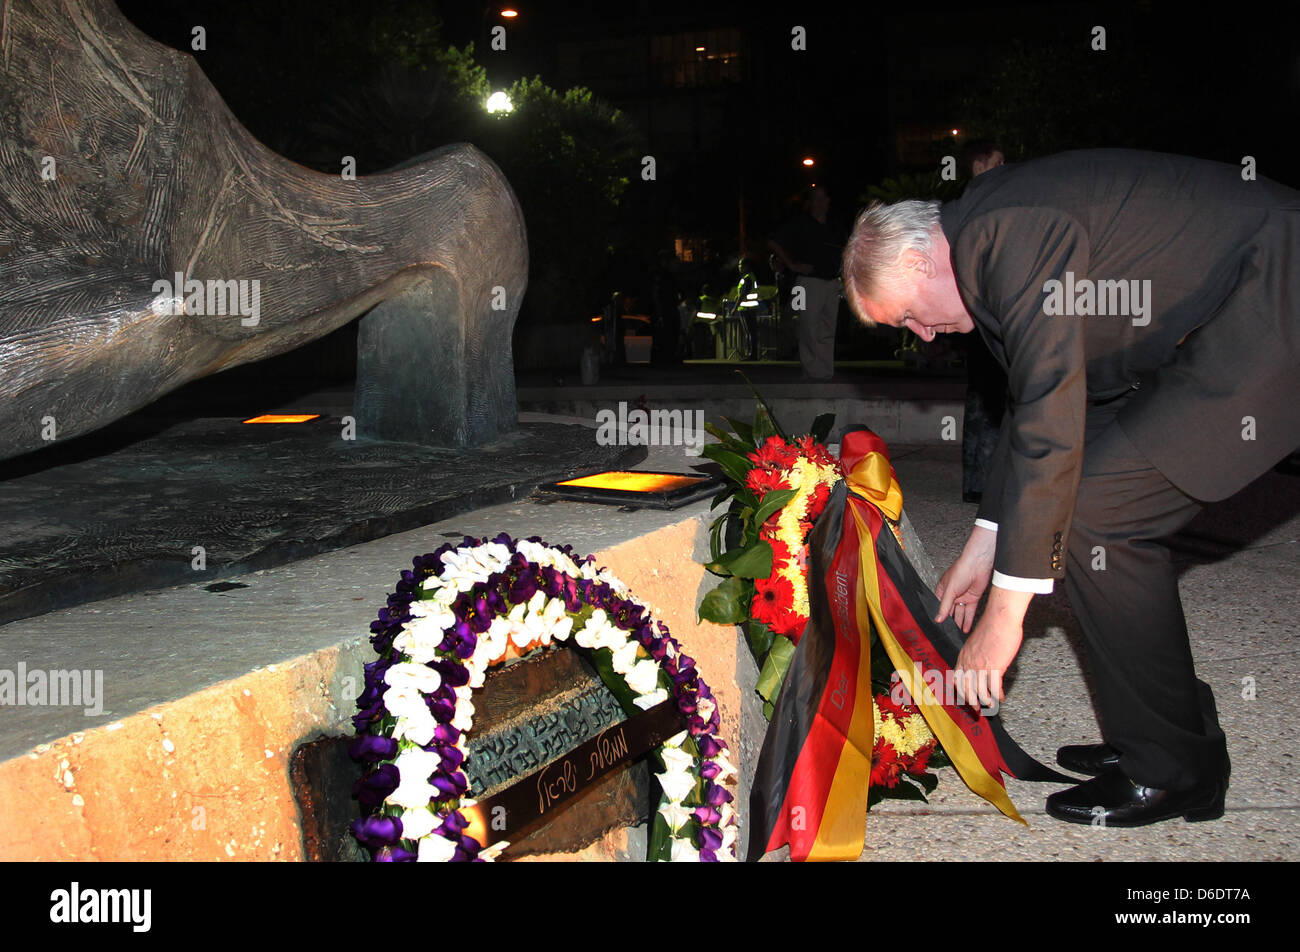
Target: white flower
(464, 718)
(705, 707)
(676, 740)
(676, 760)
(404, 701)
(647, 701)
(418, 823)
(417, 727)
(682, 852)
(593, 630)
(675, 814)
(421, 637)
(624, 658)
(435, 849)
(413, 788)
(676, 785)
(418, 676)
(727, 768)
(492, 643)
(644, 676)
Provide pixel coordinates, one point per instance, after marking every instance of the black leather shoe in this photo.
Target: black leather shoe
(1090, 759)
(1111, 799)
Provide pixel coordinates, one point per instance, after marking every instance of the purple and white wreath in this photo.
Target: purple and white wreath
(465, 607)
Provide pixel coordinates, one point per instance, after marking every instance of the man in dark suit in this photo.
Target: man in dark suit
(1147, 310)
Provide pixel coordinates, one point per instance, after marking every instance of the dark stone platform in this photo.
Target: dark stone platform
(123, 509)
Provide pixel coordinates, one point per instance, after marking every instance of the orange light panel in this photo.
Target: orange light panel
(635, 482)
(283, 418)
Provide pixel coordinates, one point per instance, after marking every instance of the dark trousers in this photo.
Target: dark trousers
(1152, 707)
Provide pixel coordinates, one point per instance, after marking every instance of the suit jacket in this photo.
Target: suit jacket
(1207, 348)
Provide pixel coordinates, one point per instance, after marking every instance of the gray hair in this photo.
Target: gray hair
(880, 236)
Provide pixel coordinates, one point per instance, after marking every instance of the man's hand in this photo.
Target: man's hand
(964, 583)
(988, 653)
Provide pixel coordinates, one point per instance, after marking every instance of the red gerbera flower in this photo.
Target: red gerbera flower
(775, 453)
(772, 600)
(917, 763)
(885, 765)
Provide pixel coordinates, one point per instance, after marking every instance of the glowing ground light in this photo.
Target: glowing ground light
(635, 482)
(283, 418)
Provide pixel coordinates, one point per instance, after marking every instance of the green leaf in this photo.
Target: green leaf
(733, 464)
(743, 430)
(775, 665)
(821, 427)
(768, 709)
(764, 408)
(722, 496)
(764, 426)
(906, 791)
(753, 561)
(726, 439)
(927, 780)
(760, 638)
(728, 604)
(772, 502)
(659, 849)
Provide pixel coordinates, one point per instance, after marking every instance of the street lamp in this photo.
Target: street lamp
(499, 102)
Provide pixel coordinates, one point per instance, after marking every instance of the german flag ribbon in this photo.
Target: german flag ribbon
(814, 771)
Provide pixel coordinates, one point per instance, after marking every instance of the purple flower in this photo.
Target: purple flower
(452, 757)
(377, 831)
(450, 784)
(710, 839)
(370, 748)
(715, 795)
(708, 815)
(709, 746)
(708, 856)
(454, 824)
(394, 854)
(446, 734)
(709, 770)
(374, 787)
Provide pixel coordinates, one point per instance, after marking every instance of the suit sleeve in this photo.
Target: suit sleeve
(1012, 254)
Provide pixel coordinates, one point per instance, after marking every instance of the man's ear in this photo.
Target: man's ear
(914, 260)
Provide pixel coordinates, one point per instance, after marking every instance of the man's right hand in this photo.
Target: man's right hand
(967, 579)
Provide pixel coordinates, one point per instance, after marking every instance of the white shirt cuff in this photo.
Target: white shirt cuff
(985, 524)
(1039, 586)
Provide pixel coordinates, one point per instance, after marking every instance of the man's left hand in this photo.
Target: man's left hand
(988, 653)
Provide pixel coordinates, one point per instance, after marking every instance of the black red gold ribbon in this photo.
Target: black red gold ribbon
(813, 774)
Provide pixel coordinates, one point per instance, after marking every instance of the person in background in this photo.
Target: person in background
(810, 245)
